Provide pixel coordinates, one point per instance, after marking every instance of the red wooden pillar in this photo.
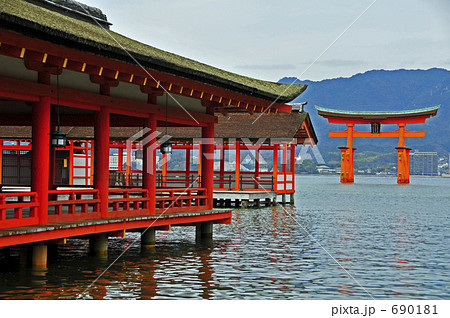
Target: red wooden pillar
(347, 158)
(401, 137)
(256, 167)
(199, 159)
(350, 154)
(101, 158)
(52, 161)
(128, 163)
(347, 164)
(71, 165)
(40, 122)
(293, 165)
(403, 165)
(237, 175)
(275, 167)
(284, 163)
(164, 170)
(120, 160)
(222, 165)
(45, 78)
(149, 166)
(91, 146)
(344, 172)
(403, 157)
(188, 164)
(208, 162)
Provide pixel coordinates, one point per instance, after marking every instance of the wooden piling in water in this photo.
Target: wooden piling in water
(98, 244)
(148, 238)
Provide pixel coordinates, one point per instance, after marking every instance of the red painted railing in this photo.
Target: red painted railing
(248, 181)
(18, 209)
(285, 183)
(128, 202)
(21, 209)
(175, 180)
(169, 200)
(73, 205)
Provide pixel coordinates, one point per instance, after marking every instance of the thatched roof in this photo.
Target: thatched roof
(38, 22)
(243, 125)
(75, 9)
(235, 125)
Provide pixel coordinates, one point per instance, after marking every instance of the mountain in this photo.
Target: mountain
(382, 90)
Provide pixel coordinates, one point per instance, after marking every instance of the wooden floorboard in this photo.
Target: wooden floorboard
(76, 224)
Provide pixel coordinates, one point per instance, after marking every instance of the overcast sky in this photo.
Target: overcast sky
(272, 39)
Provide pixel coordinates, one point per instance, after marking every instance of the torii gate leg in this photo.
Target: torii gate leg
(347, 158)
(402, 158)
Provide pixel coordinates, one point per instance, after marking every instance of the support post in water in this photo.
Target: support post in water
(148, 238)
(98, 244)
(204, 230)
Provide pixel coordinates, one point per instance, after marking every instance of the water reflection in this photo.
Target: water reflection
(382, 237)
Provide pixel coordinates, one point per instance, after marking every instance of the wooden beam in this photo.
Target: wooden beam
(80, 120)
(30, 91)
(386, 121)
(60, 241)
(383, 134)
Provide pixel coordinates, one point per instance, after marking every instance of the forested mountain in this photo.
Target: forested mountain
(383, 90)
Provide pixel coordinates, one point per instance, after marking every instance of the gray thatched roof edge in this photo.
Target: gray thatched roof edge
(236, 126)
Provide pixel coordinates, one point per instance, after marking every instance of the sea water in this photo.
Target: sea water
(370, 239)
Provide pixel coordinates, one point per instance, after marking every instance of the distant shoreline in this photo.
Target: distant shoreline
(370, 175)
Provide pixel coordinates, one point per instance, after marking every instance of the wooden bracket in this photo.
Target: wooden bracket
(42, 67)
(104, 80)
(152, 90)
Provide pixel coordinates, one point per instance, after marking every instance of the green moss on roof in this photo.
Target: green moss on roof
(55, 26)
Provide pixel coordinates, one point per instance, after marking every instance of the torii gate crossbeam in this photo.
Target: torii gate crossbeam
(376, 119)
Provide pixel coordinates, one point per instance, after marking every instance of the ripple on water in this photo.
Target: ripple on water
(392, 240)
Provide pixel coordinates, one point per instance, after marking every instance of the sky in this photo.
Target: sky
(297, 38)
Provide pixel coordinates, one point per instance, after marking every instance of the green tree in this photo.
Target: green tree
(308, 166)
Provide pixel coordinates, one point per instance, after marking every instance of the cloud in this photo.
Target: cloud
(266, 67)
(445, 62)
(341, 63)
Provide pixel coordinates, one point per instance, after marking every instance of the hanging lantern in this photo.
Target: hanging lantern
(58, 139)
(166, 147)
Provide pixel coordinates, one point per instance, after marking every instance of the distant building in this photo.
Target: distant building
(325, 170)
(423, 163)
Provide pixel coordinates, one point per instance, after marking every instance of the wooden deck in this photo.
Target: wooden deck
(75, 212)
(113, 226)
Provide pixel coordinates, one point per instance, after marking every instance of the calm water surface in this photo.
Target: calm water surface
(394, 240)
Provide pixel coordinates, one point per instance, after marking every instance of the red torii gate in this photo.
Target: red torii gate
(375, 119)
